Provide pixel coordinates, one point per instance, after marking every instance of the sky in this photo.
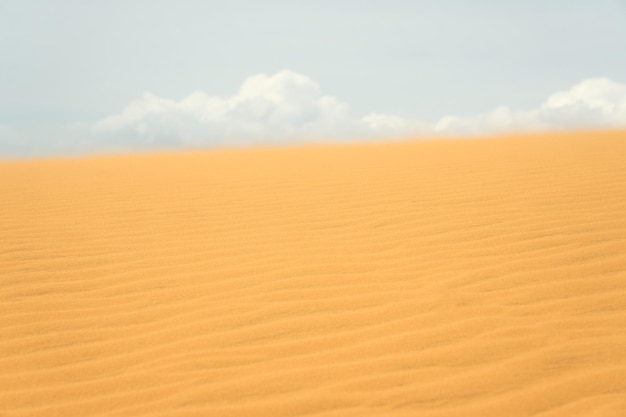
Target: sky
(86, 76)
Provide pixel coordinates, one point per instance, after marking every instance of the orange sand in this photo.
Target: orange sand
(443, 278)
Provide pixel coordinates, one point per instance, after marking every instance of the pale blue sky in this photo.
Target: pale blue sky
(74, 63)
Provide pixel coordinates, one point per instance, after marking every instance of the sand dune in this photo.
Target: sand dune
(441, 278)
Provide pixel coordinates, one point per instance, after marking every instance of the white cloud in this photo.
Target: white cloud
(277, 107)
(592, 103)
(595, 102)
(288, 105)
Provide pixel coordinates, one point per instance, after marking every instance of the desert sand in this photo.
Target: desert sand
(421, 278)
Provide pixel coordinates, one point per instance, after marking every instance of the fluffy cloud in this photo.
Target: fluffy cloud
(596, 102)
(277, 107)
(592, 103)
(288, 105)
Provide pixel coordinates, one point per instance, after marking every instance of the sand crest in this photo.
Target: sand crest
(439, 278)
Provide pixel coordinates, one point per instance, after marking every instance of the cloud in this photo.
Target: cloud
(266, 108)
(592, 103)
(277, 107)
(288, 106)
(595, 102)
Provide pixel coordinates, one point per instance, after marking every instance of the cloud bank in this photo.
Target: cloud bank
(592, 103)
(274, 108)
(288, 106)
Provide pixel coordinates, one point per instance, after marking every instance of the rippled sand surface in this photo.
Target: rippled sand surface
(439, 278)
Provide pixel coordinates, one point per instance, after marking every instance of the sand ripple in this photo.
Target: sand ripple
(451, 278)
